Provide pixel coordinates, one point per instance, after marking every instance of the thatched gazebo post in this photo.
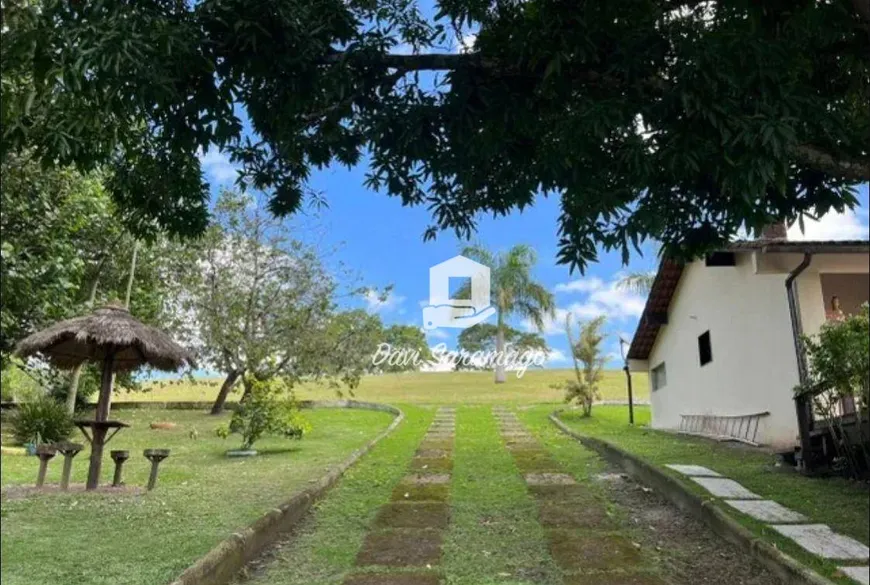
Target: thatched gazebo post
(111, 336)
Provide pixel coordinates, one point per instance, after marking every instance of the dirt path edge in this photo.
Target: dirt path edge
(787, 569)
(223, 562)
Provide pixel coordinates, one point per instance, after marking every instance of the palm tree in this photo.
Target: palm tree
(512, 291)
(637, 282)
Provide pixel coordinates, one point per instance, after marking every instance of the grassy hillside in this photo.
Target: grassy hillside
(422, 388)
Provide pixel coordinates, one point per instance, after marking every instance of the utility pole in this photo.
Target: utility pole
(622, 344)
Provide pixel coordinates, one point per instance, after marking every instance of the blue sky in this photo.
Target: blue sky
(382, 242)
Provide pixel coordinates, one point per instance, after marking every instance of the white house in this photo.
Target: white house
(717, 335)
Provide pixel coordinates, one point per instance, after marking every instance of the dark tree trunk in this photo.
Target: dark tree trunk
(229, 382)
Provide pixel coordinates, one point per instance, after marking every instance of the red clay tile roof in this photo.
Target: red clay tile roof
(669, 273)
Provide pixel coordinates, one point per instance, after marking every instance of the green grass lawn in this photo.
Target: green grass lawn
(842, 504)
(421, 388)
(201, 498)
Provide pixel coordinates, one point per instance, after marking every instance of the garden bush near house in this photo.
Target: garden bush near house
(41, 420)
(839, 357)
(267, 408)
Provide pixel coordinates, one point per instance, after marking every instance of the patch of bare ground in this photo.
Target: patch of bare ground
(690, 553)
(413, 515)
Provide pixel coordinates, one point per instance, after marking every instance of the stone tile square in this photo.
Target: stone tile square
(413, 515)
(424, 478)
(725, 488)
(859, 574)
(434, 453)
(820, 540)
(401, 548)
(549, 479)
(431, 464)
(392, 579)
(415, 492)
(693, 470)
(613, 579)
(577, 550)
(572, 514)
(767, 511)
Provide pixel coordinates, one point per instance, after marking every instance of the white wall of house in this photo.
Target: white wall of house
(754, 369)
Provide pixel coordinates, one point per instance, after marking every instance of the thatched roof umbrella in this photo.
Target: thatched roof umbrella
(111, 336)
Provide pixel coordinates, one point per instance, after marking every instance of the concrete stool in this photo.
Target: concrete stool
(155, 456)
(68, 450)
(45, 454)
(119, 457)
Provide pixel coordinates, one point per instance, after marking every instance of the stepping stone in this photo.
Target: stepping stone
(426, 478)
(859, 574)
(431, 464)
(392, 579)
(433, 453)
(572, 514)
(413, 515)
(572, 550)
(693, 470)
(820, 540)
(767, 511)
(401, 548)
(613, 579)
(725, 488)
(549, 479)
(420, 493)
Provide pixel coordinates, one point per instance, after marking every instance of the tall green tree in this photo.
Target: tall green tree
(683, 121)
(409, 338)
(65, 249)
(513, 291)
(484, 336)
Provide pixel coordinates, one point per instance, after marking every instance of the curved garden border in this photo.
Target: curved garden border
(222, 563)
(786, 568)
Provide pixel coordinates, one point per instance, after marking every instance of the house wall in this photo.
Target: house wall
(754, 368)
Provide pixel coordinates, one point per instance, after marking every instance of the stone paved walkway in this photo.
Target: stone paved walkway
(403, 545)
(579, 531)
(817, 539)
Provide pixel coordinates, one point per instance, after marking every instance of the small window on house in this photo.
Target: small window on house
(659, 376)
(705, 351)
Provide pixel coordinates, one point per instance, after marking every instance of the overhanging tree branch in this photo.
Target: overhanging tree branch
(850, 169)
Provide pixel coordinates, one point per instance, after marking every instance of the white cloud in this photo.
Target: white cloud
(436, 334)
(601, 299)
(556, 356)
(217, 166)
(580, 285)
(849, 225)
(467, 42)
(377, 304)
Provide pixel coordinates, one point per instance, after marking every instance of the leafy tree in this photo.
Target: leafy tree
(588, 363)
(512, 291)
(678, 120)
(258, 304)
(65, 249)
(409, 338)
(483, 337)
(268, 408)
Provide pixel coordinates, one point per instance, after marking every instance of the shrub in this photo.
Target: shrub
(588, 363)
(267, 408)
(42, 420)
(839, 357)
